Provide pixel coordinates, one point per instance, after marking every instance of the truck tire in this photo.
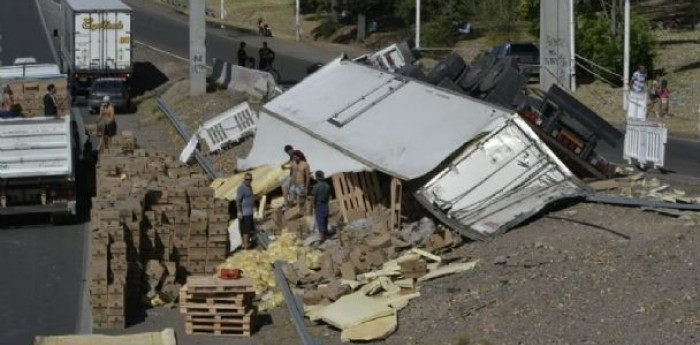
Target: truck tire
(495, 74)
(471, 80)
(412, 71)
(450, 68)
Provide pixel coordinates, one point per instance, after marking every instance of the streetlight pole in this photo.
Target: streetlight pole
(572, 37)
(418, 24)
(626, 64)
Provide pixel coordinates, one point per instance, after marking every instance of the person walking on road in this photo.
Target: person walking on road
(245, 205)
(639, 79)
(109, 122)
(321, 195)
(267, 56)
(50, 107)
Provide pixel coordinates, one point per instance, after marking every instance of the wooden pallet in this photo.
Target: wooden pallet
(214, 298)
(228, 332)
(396, 198)
(248, 318)
(200, 284)
(217, 309)
(357, 193)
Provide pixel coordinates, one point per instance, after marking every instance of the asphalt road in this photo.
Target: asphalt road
(42, 290)
(22, 33)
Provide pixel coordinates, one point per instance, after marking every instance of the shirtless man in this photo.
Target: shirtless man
(288, 149)
(110, 123)
(301, 176)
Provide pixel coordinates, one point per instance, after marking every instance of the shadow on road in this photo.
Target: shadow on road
(146, 77)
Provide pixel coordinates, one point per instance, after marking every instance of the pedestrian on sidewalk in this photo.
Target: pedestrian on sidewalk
(245, 205)
(321, 195)
(50, 105)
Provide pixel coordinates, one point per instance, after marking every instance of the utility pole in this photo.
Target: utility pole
(298, 26)
(572, 33)
(626, 65)
(198, 65)
(222, 13)
(418, 24)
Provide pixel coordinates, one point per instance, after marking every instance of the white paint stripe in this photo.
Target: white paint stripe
(84, 324)
(173, 55)
(49, 37)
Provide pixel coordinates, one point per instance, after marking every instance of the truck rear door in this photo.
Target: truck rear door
(103, 41)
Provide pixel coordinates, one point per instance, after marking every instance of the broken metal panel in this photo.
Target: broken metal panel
(613, 200)
(230, 126)
(645, 142)
(497, 183)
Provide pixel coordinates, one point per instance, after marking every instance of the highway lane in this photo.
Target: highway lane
(42, 288)
(168, 30)
(21, 32)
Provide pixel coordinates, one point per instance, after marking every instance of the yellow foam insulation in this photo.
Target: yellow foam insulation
(265, 180)
(257, 265)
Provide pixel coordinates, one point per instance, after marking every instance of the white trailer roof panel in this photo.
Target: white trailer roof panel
(97, 5)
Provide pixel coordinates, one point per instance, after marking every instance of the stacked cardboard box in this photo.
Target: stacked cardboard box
(143, 212)
(29, 94)
(218, 307)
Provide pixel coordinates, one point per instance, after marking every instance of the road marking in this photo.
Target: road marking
(173, 55)
(49, 37)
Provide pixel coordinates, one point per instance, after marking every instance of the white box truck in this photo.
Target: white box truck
(95, 42)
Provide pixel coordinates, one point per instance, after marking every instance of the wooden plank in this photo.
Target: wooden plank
(376, 188)
(339, 195)
(204, 309)
(396, 197)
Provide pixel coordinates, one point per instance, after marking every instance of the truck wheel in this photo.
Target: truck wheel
(450, 68)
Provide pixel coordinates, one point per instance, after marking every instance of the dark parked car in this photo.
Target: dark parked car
(115, 88)
(525, 55)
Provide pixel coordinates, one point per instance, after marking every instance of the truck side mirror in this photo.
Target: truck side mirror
(55, 33)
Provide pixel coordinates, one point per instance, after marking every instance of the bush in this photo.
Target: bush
(327, 27)
(438, 33)
(594, 42)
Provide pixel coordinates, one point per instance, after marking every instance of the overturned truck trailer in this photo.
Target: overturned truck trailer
(410, 130)
(498, 182)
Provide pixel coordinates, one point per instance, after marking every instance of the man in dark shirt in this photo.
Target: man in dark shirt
(267, 56)
(246, 206)
(242, 55)
(50, 108)
(321, 193)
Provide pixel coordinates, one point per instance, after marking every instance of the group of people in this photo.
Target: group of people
(10, 108)
(296, 188)
(659, 93)
(265, 54)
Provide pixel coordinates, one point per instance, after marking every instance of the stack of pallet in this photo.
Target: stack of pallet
(218, 307)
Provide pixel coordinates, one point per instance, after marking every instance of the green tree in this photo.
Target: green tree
(595, 42)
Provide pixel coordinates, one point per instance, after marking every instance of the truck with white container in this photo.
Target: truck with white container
(95, 42)
(39, 153)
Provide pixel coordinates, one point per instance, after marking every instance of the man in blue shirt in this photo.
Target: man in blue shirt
(321, 194)
(245, 205)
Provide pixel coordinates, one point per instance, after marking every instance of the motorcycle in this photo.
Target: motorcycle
(264, 29)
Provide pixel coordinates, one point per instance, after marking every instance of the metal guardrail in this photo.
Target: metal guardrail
(295, 309)
(204, 162)
(614, 200)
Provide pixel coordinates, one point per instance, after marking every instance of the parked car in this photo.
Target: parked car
(115, 88)
(525, 55)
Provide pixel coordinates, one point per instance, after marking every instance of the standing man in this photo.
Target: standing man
(321, 194)
(242, 55)
(267, 56)
(50, 108)
(301, 176)
(286, 183)
(110, 123)
(639, 79)
(245, 206)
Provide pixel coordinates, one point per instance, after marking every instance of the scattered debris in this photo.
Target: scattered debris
(166, 337)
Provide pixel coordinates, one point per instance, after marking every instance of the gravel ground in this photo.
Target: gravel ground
(586, 274)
